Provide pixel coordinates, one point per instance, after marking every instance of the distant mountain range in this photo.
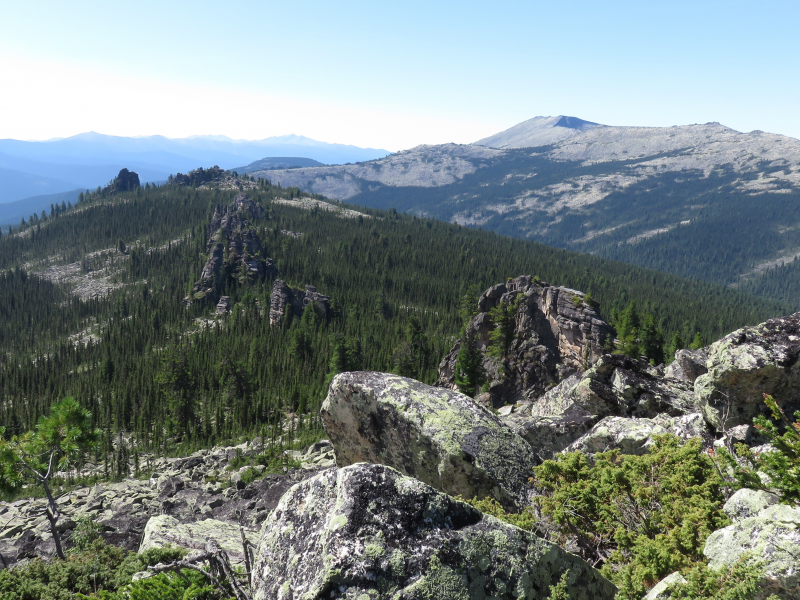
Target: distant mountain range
(703, 201)
(88, 160)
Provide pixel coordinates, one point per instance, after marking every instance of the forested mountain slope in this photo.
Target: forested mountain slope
(700, 201)
(100, 302)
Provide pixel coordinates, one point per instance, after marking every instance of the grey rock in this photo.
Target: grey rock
(233, 247)
(746, 503)
(772, 537)
(287, 302)
(163, 530)
(366, 531)
(688, 365)
(441, 437)
(631, 435)
(665, 588)
(746, 364)
(616, 386)
(556, 334)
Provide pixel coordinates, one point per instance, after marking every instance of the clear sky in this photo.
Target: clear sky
(392, 74)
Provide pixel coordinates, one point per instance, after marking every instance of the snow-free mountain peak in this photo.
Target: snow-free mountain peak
(538, 131)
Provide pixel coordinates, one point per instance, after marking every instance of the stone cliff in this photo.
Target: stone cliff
(556, 333)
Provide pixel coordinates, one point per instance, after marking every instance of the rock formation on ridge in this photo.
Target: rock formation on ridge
(556, 334)
(234, 248)
(287, 302)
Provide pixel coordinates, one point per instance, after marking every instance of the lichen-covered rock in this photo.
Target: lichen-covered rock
(556, 333)
(665, 588)
(163, 530)
(748, 363)
(746, 503)
(772, 537)
(616, 386)
(366, 531)
(632, 435)
(688, 365)
(441, 437)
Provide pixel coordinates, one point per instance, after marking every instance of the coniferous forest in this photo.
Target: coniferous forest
(148, 361)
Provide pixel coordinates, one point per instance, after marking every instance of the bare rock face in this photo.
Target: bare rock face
(366, 531)
(126, 181)
(441, 437)
(616, 386)
(234, 248)
(287, 302)
(746, 364)
(556, 334)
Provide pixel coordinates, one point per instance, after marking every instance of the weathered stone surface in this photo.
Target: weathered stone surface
(441, 437)
(746, 503)
(633, 435)
(163, 530)
(287, 302)
(688, 365)
(234, 248)
(366, 531)
(616, 386)
(556, 334)
(665, 588)
(771, 537)
(748, 363)
(177, 489)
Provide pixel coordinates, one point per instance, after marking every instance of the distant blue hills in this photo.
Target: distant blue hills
(85, 161)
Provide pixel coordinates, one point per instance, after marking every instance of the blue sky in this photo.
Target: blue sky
(393, 75)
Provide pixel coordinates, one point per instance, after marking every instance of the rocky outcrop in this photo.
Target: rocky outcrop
(556, 333)
(366, 531)
(287, 302)
(126, 181)
(746, 503)
(746, 364)
(441, 437)
(771, 537)
(195, 488)
(234, 248)
(616, 386)
(163, 530)
(688, 365)
(635, 436)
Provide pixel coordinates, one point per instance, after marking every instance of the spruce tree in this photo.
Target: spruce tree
(469, 373)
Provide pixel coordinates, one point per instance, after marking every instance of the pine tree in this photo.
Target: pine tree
(469, 374)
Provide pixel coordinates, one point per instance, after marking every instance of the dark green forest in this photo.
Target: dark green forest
(178, 377)
(725, 232)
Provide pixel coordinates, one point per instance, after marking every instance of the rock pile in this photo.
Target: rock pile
(195, 488)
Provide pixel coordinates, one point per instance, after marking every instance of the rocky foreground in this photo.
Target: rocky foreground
(372, 513)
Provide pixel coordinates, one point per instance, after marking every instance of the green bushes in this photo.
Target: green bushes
(782, 465)
(638, 518)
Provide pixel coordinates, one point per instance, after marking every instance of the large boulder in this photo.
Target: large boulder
(688, 365)
(635, 436)
(746, 364)
(556, 333)
(616, 386)
(441, 437)
(163, 530)
(366, 531)
(772, 538)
